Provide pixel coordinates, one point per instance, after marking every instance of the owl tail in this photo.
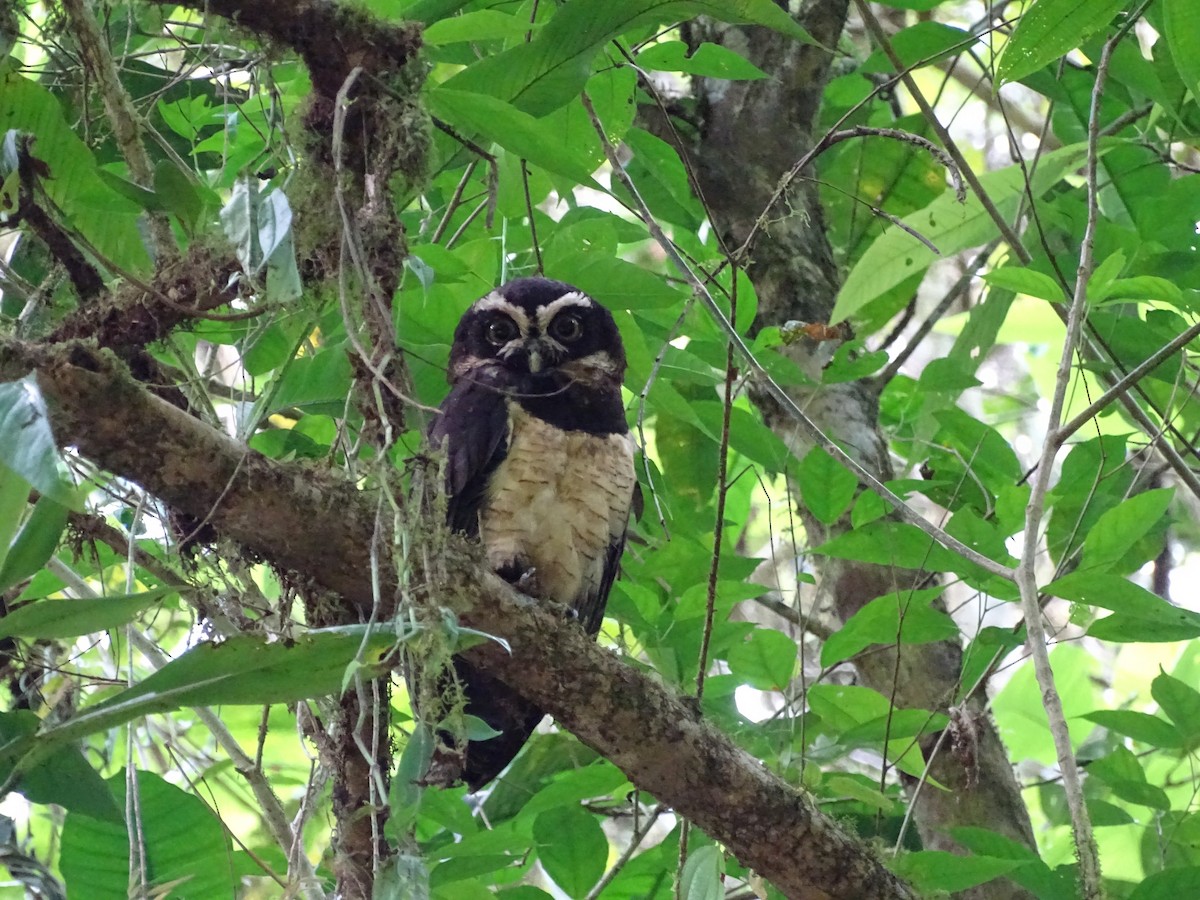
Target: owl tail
(505, 711)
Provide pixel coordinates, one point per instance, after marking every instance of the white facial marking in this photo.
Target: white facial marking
(494, 302)
(546, 314)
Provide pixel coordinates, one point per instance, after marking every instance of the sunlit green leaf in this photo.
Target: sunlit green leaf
(1047, 30)
(949, 226)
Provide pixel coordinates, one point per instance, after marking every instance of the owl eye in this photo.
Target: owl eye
(566, 327)
(500, 331)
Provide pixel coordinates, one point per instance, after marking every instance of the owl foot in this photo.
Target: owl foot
(522, 577)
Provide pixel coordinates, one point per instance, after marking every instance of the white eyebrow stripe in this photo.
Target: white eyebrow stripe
(494, 302)
(575, 298)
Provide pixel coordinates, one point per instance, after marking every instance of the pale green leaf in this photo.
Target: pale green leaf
(27, 443)
(949, 226)
(826, 486)
(1030, 282)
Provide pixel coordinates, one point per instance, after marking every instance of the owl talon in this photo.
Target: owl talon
(527, 582)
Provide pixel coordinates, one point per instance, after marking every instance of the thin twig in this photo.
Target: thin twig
(1127, 381)
(803, 423)
(1085, 844)
(635, 841)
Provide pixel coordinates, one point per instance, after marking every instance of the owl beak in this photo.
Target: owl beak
(535, 359)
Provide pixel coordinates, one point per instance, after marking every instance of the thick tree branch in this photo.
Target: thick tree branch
(305, 520)
(331, 38)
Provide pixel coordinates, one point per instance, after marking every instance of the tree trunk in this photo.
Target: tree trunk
(750, 135)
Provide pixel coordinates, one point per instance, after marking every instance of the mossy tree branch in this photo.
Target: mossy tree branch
(321, 527)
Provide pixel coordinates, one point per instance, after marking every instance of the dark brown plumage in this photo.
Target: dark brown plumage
(539, 468)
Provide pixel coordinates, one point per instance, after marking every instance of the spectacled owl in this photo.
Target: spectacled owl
(539, 469)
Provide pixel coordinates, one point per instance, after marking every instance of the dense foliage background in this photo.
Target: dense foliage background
(972, 287)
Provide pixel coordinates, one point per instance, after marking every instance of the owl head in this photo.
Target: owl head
(538, 328)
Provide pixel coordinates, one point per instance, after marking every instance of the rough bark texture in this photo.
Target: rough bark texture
(795, 277)
(322, 529)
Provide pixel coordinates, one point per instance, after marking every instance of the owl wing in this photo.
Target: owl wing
(473, 430)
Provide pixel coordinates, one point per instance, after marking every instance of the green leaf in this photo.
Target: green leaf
(14, 494)
(541, 75)
(517, 132)
(1030, 282)
(938, 870)
(1169, 884)
(709, 60)
(572, 848)
(477, 25)
(826, 486)
(34, 545)
(102, 215)
(949, 225)
(766, 659)
(182, 839)
(1137, 725)
(63, 776)
(901, 617)
(1048, 30)
(1118, 530)
(1180, 702)
(57, 619)
(27, 444)
(1143, 287)
(892, 544)
(1181, 27)
(1142, 615)
(1104, 275)
(703, 875)
(241, 670)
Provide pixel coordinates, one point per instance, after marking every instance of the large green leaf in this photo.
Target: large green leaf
(766, 659)
(63, 777)
(514, 130)
(949, 226)
(1140, 614)
(183, 840)
(543, 74)
(938, 870)
(901, 617)
(572, 848)
(1120, 528)
(1181, 23)
(826, 486)
(1047, 30)
(57, 619)
(1180, 702)
(34, 545)
(1140, 726)
(101, 214)
(703, 874)
(241, 670)
(27, 444)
